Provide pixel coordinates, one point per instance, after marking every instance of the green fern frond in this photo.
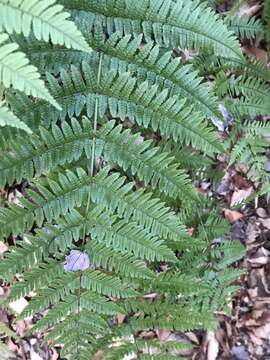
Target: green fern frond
(126, 54)
(111, 177)
(251, 107)
(245, 27)
(63, 145)
(71, 191)
(47, 20)
(184, 24)
(15, 71)
(43, 275)
(122, 96)
(7, 118)
(111, 259)
(250, 87)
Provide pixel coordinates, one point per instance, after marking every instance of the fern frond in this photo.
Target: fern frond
(245, 27)
(251, 107)
(7, 118)
(104, 284)
(15, 71)
(72, 190)
(184, 24)
(122, 96)
(26, 256)
(47, 20)
(66, 144)
(111, 259)
(41, 276)
(126, 54)
(250, 87)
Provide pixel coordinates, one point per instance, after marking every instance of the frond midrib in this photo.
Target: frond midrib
(169, 115)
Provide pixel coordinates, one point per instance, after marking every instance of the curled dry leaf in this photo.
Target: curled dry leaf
(259, 54)
(247, 10)
(163, 334)
(232, 215)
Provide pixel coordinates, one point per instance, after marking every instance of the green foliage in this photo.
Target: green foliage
(119, 136)
(49, 23)
(245, 27)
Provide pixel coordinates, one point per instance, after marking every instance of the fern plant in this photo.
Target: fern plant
(246, 92)
(107, 173)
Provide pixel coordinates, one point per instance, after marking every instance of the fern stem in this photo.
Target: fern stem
(95, 121)
(93, 150)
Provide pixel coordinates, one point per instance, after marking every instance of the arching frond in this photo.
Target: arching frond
(185, 24)
(7, 118)
(245, 26)
(16, 71)
(47, 20)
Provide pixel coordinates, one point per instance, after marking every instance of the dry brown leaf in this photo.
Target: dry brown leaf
(259, 54)
(247, 10)
(266, 223)
(240, 195)
(232, 215)
(163, 334)
(259, 261)
(262, 332)
(240, 182)
(120, 318)
(11, 345)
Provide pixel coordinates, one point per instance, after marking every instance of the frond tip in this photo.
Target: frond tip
(7, 118)
(45, 18)
(16, 71)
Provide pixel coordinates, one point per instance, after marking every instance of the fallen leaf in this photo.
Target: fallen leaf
(55, 355)
(247, 10)
(163, 334)
(257, 53)
(3, 247)
(20, 327)
(120, 318)
(266, 223)
(240, 195)
(34, 355)
(240, 182)
(232, 215)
